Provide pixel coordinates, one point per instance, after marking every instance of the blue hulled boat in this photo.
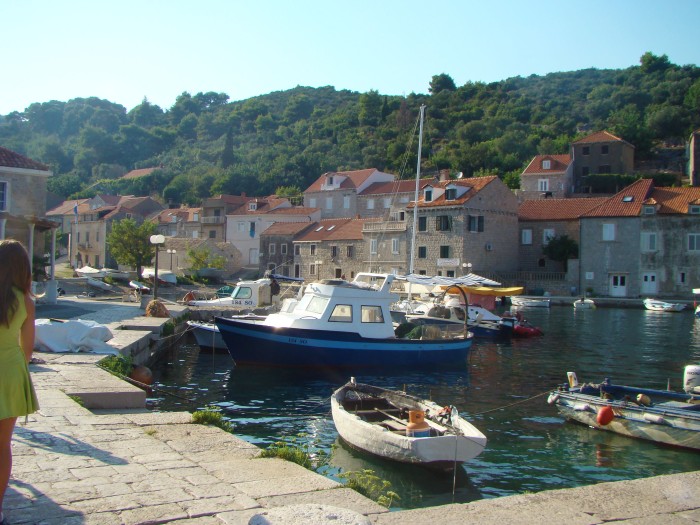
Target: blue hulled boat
(337, 323)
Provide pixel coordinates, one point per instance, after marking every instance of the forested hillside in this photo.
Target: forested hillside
(282, 141)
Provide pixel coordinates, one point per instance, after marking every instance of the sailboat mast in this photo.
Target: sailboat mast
(415, 204)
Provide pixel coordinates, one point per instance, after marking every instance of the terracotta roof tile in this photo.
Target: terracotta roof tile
(66, 207)
(626, 203)
(135, 174)
(10, 159)
(557, 209)
(321, 230)
(354, 179)
(675, 200)
(559, 164)
(286, 228)
(389, 188)
(476, 184)
(598, 136)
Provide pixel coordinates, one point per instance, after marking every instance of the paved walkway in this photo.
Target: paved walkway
(76, 466)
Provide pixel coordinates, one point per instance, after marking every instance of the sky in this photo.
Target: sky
(127, 50)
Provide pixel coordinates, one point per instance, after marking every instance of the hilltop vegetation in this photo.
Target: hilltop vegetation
(283, 141)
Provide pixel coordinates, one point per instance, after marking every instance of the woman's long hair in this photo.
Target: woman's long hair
(15, 271)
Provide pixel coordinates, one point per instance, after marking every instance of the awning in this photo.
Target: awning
(471, 279)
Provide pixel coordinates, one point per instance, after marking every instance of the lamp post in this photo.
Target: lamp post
(467, 267)
(172, 252)
(156, 240)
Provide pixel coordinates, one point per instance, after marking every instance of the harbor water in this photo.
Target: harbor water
(502, 389)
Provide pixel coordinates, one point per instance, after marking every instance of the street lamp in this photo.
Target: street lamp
(467, 267)
(171, 251)
(156, 240)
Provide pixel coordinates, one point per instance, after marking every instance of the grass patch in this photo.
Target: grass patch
(151, 432)
(77, 399)
(118, 365)
(367, 483)
(212, 416)
(295, 449)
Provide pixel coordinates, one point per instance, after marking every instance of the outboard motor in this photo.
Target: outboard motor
(691, 379)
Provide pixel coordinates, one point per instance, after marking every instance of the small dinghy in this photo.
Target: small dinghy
(395, 425)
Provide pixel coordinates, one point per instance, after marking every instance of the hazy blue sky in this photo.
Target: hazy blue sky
(126, 50)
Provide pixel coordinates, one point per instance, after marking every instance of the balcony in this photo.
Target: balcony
(384, 226)
(84, 245)
(213, 220)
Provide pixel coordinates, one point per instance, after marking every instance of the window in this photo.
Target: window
(604, 149)
(394, 246)
(334, 252)
(372, 314)
(681, 277)
(604, 168)
(373, 246)
(330, 181)
(586, 150)
(422, 224)
(312, 202)
(87, 237)
(547, 235)
(443, 223)
(312, 249)
(212, 234)
(273, 248)
(195, 234)
(97, 237)
(608, 232)
(283, 248)
(217, 212)
(312, 269)
(648, 241)
(428, 194)
(526, 236)
(251, 229)
(329, 203)
(694, 210)
(342, 313)
(422, 252)
(241, 226)
(370, 204)
(546, 164)
(451, 194)
(97, 261)
(3, 196)
(543, 185)
(346, 202)
(450, 273)
(387, 202)
(252, 206)
(297, 249)
(693, 242)
(349, 251)
(649, 210)
(444, 252)
(78, 237)
(475, 223)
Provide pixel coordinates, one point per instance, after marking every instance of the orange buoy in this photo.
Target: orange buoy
(417, 425)
(605, 415)
(643, 399)
(142, 374)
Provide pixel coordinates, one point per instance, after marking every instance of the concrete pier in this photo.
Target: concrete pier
(74, 464)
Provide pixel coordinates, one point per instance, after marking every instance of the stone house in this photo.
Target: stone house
(331, 249)
(174, 254)
(543, 219)
(643, 241)
(214, 212)
(547, 176)
(599, 153)
(464, 222)
(94, 222)
(277, 247)
(179, 222)
(336, 193)
(23, 202)
(64, 214)
(246, 223)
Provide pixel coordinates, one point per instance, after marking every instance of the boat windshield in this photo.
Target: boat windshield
(317, 305)
(242, 292)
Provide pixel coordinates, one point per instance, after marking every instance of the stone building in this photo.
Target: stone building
(277, 247)
(600, 153)
(547, 176)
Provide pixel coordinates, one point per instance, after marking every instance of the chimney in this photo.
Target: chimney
(444, 175)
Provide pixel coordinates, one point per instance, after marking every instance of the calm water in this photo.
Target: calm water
(500, 389)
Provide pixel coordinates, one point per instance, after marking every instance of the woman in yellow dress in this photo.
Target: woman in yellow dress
(17, 397)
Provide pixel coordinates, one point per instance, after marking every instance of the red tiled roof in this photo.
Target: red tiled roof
(475, 183)
(626, 203)
(66, 207)
(354, 179)
(10, 159)
(557, 209)
(286, 228)
(559, 163)
(598, 136)
(674, 200)
(397, 186)
(135, 174)
(321, 230)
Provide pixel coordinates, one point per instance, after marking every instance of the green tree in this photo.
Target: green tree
(129, 243)
(561, 248)
(201, 257)
(441, 82)
(651, 63)
(370, 108)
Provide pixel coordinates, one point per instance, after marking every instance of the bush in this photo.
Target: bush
(308, 455)
(212, 416)
(118, 365)
(367, 483)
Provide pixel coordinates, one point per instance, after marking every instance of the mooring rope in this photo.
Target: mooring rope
(512, 404)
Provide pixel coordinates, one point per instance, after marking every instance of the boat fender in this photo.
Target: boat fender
(605, 415)
(417, 425)
(582, 407)
(444, 414)
(653, 418)
(643, 399)
(553, 398)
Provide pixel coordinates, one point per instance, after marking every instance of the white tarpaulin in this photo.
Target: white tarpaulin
(471, 279)
(81, 335)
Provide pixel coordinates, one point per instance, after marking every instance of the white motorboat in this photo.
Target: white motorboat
(395, 425)
(96, 283)
(118, 275)
(164, 276)
(338, 323)
(661, 306)
(529, 302)
(584, 304)
(89, 271)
